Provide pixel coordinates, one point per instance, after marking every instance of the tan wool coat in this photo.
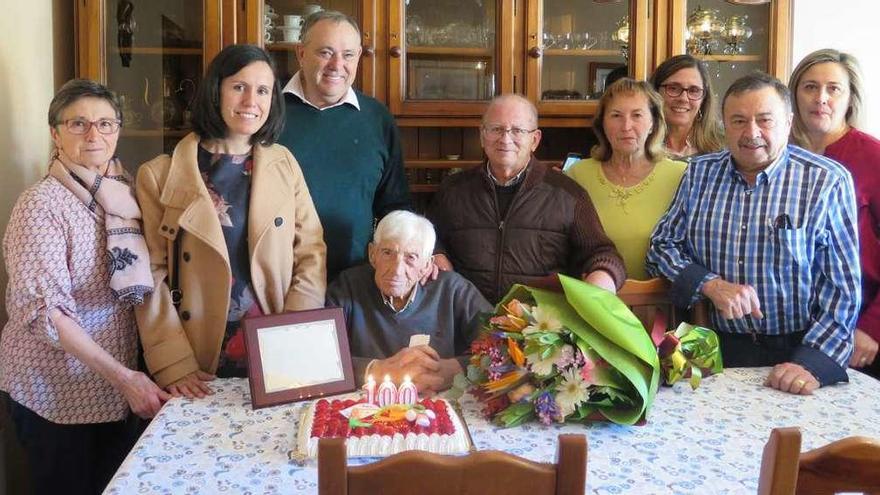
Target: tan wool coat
(285, 240)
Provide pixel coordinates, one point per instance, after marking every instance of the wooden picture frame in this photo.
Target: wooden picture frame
(598, 71)
(297, 355)
(457, 80)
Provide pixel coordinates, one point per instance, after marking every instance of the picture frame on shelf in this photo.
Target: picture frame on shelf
(297, 355)
(597, 73)
(463, 80)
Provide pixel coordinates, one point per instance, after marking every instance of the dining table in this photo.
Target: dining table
(707, 440)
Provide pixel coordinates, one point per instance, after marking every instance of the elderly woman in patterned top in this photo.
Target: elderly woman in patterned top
(77, 263)
(230, 225)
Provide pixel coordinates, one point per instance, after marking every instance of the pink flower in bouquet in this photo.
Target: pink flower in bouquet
(566, 357)
(587, 370)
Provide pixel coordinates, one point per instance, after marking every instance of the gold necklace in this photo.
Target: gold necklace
(621, 194)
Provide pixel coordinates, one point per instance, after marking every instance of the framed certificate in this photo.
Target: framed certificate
(296, 356)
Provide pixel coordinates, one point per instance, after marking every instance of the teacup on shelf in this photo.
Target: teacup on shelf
(290, 34)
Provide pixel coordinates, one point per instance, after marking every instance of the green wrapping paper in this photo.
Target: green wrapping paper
(689, 352)
(602, 322)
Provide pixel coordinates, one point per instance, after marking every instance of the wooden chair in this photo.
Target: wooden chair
(485, 473)
(647, 297)
(848, 465)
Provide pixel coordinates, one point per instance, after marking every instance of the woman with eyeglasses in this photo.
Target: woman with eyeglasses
(77, 263)
(628, 177)
(827, 95)
(692, 123)
(230, 225)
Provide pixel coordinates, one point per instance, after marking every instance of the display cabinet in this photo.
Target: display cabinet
(448, 57)
(575, 47)
(277, 26)
(152, 54)
(732, 37)
(436, 63)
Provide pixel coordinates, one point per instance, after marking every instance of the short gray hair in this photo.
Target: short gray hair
(75, 89)
(328, 15)
(404, 227)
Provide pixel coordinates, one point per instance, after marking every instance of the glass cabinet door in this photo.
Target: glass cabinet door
(575, 48)
(152, 54)
(444, 56)
(733, 39)
(280, 31)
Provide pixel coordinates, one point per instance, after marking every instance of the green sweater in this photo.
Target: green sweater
(353, 165)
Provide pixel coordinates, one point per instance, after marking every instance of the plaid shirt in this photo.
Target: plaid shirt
(792, 236)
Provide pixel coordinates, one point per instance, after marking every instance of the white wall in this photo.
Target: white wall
(36, 56)
(849, 26)
(26, 87)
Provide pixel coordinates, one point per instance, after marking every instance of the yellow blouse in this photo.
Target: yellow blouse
(629, 214)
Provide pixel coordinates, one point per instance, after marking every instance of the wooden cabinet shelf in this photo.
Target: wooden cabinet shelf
(158, 50)
(454, 51)
(282, 46)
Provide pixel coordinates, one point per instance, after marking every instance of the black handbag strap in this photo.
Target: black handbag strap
(174, 272)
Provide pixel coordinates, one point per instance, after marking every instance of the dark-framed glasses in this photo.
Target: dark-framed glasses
(498, 131)
(82, 126)
(675, 90)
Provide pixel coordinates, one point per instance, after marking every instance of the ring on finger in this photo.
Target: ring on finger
(800, 383)
(863, 361)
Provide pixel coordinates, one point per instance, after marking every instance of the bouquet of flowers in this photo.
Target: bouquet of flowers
(689, 352)
(571, 356)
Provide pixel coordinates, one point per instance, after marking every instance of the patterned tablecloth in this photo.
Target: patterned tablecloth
(705, 441)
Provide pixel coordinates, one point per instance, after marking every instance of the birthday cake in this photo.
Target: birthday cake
(373, 431)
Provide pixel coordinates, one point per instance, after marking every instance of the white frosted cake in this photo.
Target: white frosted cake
(370, 431)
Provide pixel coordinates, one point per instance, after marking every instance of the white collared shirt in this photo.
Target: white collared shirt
(390, 303)
(514, 180)
(295, 87)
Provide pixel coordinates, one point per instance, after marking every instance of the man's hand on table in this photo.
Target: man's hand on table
(792, 378)
(192, 386)
(733, 301)
(865, 350)
(426, 369)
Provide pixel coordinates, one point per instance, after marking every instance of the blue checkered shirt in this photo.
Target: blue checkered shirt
(792, 236)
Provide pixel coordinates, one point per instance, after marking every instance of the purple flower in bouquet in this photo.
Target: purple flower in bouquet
(546, 408)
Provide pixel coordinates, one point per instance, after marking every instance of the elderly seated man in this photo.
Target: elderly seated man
(385, 306)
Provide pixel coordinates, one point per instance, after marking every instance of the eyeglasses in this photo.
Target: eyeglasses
(498, 131)
(82, 126)
(675, 90)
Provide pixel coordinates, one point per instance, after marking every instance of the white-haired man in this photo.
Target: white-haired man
(385, 306)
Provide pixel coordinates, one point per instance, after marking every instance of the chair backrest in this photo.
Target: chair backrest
(486, 472)
(848, 465)
(648, 298)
